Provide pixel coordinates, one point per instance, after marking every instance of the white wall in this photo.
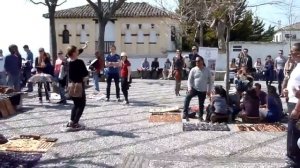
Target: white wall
(256, 50)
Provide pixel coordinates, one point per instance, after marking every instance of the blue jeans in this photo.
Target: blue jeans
(280, 77)
(3, 78)
(13, 81)
(96, 81)
(293, 134)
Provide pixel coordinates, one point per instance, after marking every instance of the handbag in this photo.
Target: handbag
(75, 90)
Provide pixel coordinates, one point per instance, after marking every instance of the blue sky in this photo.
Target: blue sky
(22, 22)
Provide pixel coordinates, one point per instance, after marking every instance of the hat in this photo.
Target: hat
(124, 54)
(194, 48)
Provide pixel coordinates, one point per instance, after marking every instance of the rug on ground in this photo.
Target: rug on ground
(276, 127)
(205, 127)
(165, 117)
(28, 143)
(24, 151)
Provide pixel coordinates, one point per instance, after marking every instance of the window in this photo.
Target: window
(173, 33)
(152, 26)
(83, 34)
(140, 26)
(140, 38)
(153, 37)
(127, 26)
(127, 37)
(66, 35)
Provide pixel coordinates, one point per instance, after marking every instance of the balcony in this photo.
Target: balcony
(107, 45)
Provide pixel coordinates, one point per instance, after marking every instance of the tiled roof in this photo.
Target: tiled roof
(295, 26)
(131, 9)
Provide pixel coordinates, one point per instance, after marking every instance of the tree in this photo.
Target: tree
(51, 5)
(105, 11)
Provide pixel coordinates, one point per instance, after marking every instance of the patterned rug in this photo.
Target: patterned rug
(28, 143)
(262, 127)
(205, 127)
(166, 117)
(16, 159)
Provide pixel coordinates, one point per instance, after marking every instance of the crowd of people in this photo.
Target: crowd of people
(248, 102)
(68, 72)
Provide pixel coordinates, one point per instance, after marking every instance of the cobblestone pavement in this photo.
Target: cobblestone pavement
(121, 136)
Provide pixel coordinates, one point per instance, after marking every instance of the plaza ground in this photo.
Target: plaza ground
(117, 135)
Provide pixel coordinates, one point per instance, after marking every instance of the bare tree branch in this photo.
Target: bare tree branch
(38, 3)
(94, 6)
(267, 3)
(62, 3)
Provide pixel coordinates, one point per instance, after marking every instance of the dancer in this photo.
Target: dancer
(77, 73)
(199, 84)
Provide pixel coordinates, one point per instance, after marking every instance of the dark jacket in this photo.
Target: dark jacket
(13, 64)
(48, 69)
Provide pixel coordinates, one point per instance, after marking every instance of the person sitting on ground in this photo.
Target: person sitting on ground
(262, 95)
(154, 68)
(144, 68)
(274, 111)
(217, 110)
(250, 105)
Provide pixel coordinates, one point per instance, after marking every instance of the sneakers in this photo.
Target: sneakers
(107, 100)
(125, 102)
(62, 102)
(119, 100)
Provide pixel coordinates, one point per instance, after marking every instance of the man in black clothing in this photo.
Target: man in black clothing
(154, 68)
(249, 63)
(193, 56)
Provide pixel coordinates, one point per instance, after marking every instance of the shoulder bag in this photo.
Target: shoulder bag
(75, 90)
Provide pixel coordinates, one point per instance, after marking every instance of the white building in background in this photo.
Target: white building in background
(288, 33)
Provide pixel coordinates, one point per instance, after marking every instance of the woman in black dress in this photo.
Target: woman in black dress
(77, 73)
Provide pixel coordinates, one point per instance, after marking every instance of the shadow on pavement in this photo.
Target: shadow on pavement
(107, 133)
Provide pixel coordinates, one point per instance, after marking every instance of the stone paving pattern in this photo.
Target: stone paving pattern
(117, 135)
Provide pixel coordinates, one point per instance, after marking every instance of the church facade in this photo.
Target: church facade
(137, 28)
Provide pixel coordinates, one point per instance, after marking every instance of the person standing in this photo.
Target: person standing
(248, 61)
(193, 56)
(125, 75)
(292, 90)
(12, 65)
(279, 67)
(96, 68)
(60, 73)
(2, 70)
(42, 64)
(269, 70)
(77, 73)
(167, 68)
(112, 62)
(178, 64)
(28, 67)
(199, 84)
(154, 68)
